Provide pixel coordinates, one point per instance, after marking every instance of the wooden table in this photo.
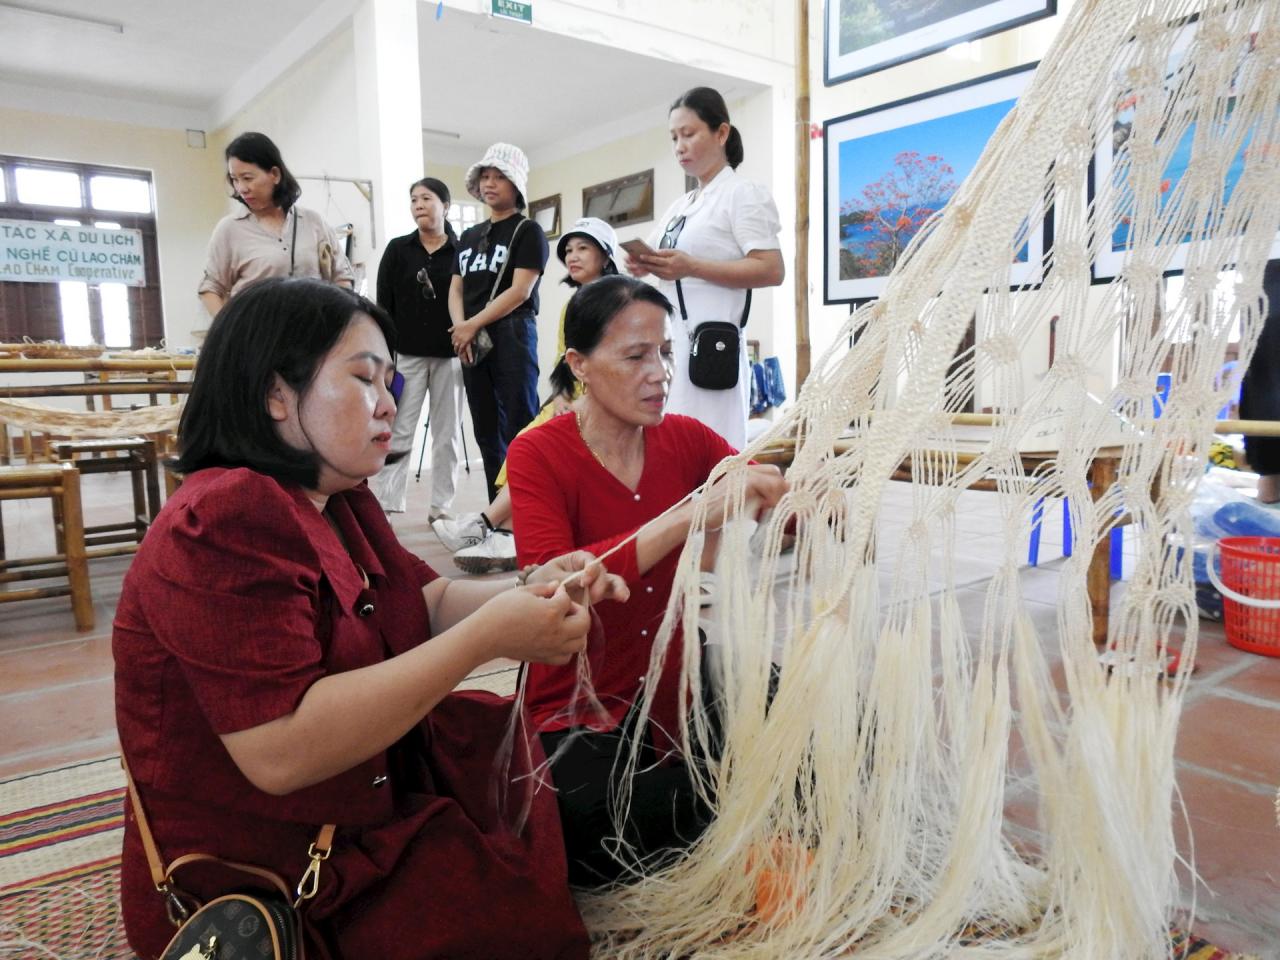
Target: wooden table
(97, 377)
(1102, 473)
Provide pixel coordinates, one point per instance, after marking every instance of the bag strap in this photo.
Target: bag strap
(293, 248)
(162, 877)
(684, 314)
(511, 249)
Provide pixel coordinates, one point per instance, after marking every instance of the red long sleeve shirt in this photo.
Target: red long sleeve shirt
(564, 499)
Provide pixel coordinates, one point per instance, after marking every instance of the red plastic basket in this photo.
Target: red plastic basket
(1250, 588)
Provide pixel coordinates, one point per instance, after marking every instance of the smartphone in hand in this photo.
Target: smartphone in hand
(637, 248)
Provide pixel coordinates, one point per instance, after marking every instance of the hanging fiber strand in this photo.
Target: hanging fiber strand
(861, 806)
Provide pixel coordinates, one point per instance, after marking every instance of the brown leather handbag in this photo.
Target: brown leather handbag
(244, 925)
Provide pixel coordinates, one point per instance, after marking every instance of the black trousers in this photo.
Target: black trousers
(1260, 392)
(665, 815)
(502, 390)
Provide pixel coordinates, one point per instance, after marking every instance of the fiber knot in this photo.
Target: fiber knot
(1141, 76)
(1149, 29)
(1078, 137)
(1142, 152)
(1001, 453)
(1002, 348)
(1071, 368)
(1134, 388)
(1142, 274)
(1070, 258)
(1214, 35)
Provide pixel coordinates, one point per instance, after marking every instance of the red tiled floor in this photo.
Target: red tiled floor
(1237, 854)
(55, 664)
(1237, 738)
(56, 708)
(1260, 679)
(41, 720)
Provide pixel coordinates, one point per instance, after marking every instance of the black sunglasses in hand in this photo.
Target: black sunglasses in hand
(671, 235)
(428, 291)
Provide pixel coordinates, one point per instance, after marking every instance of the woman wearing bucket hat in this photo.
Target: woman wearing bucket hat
(413, 286)
(714, 245)
(495, 290)
(481, 542)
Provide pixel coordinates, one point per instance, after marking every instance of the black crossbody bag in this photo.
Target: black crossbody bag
(714, 348)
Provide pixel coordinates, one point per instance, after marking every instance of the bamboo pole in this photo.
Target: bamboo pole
(1253, 428)
(801, 278)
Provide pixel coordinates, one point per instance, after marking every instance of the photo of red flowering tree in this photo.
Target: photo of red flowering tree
(891, 210)
(890, 170)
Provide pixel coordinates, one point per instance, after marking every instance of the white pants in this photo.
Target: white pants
(441, 378)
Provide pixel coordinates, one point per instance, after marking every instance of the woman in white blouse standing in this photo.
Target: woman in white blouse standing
(272, 236)
(717, 243)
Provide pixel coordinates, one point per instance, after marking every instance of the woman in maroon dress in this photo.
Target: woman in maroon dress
(272, 672)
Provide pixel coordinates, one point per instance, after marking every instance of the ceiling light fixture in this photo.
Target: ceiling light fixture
(109, 25)
(432, 132)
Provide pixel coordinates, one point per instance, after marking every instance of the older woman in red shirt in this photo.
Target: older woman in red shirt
(282, 662)
(592, 479)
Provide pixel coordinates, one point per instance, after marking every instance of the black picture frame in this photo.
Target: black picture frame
(959, 118)
(908, 35)
(1112, 256)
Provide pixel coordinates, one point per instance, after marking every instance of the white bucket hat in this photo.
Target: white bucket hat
(594, 229)
(509, 161)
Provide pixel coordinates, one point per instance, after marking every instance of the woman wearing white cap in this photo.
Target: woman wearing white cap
(495, 290)
(718, 242)
(481, 542)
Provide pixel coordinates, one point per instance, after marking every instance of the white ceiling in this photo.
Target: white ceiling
(482, 78)
(488, 79)
(181, 53)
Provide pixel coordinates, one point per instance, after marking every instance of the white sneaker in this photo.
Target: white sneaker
(495, 553)
(467, 531)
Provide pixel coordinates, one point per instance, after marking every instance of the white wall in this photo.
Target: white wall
(189, 196)
(310, 112)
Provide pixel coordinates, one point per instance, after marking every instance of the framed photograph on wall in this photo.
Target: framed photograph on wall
(890, 168)
(1106, 180)
(546, 214)
(863, 36)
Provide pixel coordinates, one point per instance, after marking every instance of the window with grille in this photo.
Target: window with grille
(74, 312)
(622, 201)
(463, 215)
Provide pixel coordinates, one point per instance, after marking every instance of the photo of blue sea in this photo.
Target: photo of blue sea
(1173, 173)
(956, 140)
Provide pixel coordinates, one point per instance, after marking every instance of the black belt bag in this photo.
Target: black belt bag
(714, 348)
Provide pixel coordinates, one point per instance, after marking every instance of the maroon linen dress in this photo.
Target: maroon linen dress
(240, 598)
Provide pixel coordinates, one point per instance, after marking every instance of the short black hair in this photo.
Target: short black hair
(590, 311)
(258, 149)
(285, 326)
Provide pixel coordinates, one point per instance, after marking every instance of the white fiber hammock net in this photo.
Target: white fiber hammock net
(870, 791)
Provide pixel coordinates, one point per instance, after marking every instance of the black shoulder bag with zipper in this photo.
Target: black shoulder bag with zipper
(714, 348)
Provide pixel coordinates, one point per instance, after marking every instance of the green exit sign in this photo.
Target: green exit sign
(512, 10)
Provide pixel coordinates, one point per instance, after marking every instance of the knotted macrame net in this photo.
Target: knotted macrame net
(863, 801)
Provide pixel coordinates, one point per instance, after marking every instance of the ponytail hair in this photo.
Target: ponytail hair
(710, 107)
(562, 380)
